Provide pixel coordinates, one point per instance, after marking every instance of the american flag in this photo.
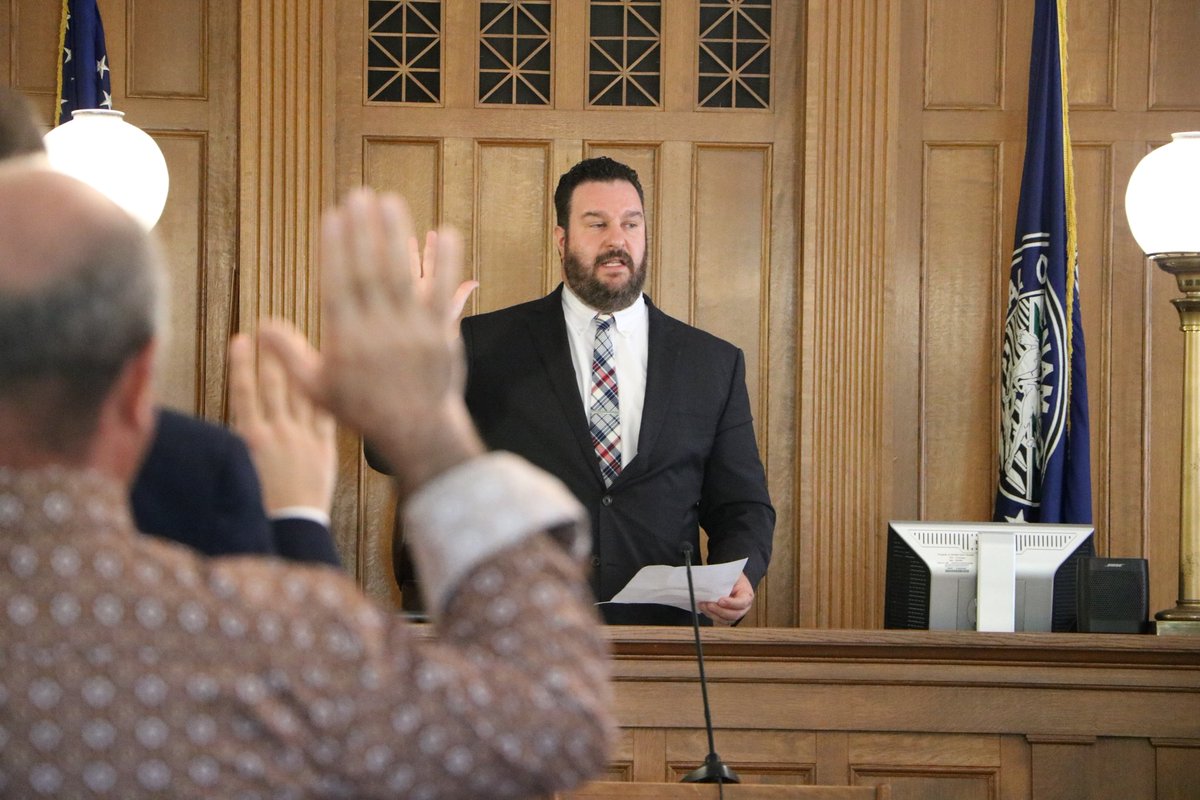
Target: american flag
(83, 74)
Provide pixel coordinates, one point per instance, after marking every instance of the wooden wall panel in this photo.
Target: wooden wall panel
(1092, 53)
(961, 309)
(730, 259)
(179, 70)
(1093, 208)
(181, 377)
(32, 46)
(1177, 765)
(1174, 31)
(412, 168)
(512, 239)
(776, 757)
(964, 54)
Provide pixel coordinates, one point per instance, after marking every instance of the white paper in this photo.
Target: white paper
(668, 586)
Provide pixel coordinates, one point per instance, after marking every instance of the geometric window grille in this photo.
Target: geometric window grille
(515, 52)
(625, 53)
(404, 51)
(735, 54)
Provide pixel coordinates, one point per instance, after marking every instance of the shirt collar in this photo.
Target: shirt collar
(579, 315)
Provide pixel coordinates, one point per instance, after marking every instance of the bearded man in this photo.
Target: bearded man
(645, 418)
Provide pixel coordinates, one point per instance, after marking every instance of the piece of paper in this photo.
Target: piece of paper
(668, 586)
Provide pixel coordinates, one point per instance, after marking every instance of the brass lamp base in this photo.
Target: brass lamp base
(1177, 627)
(1184, 618)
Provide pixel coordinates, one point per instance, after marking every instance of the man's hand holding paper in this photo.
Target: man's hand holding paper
(722, 590)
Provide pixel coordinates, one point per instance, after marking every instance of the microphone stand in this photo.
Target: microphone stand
(714, 770)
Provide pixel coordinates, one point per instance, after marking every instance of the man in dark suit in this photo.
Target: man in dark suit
(681, 453)
(198, 486)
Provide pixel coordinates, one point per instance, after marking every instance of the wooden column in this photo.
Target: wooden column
(286, 156)
(843, 484)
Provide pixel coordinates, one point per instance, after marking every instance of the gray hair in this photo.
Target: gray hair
(63, 343)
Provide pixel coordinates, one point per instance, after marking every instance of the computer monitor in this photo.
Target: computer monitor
(933, 568)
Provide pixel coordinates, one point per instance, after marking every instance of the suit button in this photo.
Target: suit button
(595, 561)
(606, 500)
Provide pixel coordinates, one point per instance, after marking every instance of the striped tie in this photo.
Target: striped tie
(605, 414)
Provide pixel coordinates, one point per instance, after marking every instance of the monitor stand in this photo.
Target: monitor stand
(996, 582)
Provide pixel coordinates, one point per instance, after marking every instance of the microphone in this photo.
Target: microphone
(714, 770)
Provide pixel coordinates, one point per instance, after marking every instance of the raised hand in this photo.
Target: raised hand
(390, 365)
(424, 268)
(290, 440)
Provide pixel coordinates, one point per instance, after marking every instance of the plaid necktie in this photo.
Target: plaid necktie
(605, 414)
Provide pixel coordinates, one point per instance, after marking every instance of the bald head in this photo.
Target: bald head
(79, 289)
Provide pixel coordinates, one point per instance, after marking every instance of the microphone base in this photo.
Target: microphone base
(713, 770)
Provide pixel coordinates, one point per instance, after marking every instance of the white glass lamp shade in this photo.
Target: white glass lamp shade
(1163, 198)
(117, 159)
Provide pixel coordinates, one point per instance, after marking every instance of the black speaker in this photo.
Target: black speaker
(1113, 595)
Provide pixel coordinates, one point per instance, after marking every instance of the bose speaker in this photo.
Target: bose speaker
(1113, 595)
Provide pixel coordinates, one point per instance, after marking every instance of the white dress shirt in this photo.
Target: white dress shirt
(630, 351)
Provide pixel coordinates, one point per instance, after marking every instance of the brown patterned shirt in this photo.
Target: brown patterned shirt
(130, 667)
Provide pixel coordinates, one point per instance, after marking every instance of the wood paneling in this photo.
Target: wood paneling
(31, 46)
(1174, 31)
(957, 715)
(730, 258)
(180, 70)
(843, 491)
(954, 28)
(960, 308)
(181, 378)
(1092, 53)
(412, 168)
(512, 245)
(1093, 209)
(1177, 765)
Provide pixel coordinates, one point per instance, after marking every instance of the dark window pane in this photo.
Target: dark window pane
(515, 53)
(624, 53)
(402, 37)
(734, 54)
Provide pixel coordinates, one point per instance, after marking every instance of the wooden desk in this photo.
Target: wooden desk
(609, 790)
(935, 715)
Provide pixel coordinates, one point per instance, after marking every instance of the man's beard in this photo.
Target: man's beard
(593, 291)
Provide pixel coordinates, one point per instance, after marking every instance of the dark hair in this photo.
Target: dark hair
(591, 170)
(19, 134)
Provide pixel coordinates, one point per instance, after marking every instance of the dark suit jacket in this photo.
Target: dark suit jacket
(198, 487)
(697, 463)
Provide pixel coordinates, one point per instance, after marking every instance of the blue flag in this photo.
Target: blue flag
(1045, 473)
(83, 75)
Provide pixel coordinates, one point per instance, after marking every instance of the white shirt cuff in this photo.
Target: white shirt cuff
(301, 512)
(485, 505)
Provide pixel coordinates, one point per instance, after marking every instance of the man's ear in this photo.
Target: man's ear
(128, 418)
(560, 239)
(137, 382)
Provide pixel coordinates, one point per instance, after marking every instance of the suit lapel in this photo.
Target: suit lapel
(661, 361)
(548, 330)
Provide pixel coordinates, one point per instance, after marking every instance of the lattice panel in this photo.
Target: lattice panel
(515, 50)
(625, 53)
(734, 54)
(404, 51)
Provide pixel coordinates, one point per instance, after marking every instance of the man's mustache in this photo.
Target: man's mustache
(609, 255)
